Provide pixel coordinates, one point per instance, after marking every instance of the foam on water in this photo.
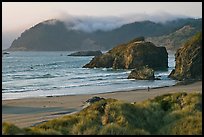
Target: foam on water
(34, 74)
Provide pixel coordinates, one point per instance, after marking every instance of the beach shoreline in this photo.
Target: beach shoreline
(31, 111)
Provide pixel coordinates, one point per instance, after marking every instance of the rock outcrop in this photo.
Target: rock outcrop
(134, 54)
(94, 99)
(87, 53)
(142, 73)
(189, 60)
(4, 53)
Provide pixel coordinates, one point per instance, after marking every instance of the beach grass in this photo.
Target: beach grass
(170, 114)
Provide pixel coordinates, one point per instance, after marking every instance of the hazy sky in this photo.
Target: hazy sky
(20, 15)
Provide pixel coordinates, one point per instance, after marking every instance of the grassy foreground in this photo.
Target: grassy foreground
(170, 114)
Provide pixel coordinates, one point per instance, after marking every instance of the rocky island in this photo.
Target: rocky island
(86, 53)
(133, 54)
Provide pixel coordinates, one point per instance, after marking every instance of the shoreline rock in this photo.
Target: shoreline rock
(5, 53)
(142, 73)
(189, 60)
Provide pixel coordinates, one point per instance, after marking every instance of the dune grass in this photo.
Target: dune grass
(170, 114)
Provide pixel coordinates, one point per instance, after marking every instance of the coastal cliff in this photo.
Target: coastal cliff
(189, 60)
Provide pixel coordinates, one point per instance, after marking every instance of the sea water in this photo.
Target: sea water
(37, 74)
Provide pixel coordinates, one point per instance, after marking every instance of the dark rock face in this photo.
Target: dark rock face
(86, 53)
(103, 61)
(94, 99)
(132, 55)
(189, 60)
(142, 73)
(5, 53)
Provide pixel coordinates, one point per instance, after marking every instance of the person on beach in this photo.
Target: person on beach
(148, 89)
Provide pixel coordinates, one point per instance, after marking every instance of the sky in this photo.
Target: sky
(22, 15)
(89, 16)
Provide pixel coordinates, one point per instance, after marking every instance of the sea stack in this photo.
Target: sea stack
(133, 54)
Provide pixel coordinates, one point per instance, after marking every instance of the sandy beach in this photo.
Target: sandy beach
(30, 111)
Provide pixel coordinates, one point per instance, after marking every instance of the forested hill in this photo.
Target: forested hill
(54, 35)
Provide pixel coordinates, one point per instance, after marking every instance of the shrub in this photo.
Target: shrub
(171, 114)
(189, 125)
(11, 129)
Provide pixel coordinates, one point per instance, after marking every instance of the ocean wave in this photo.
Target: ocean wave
(22, 77)
(98, 75)
(17, 90)
(98, 78)
(64, 75)
(43, 76)
(49, 64)
(77, 77)
(162, 73)
(98, 83)
(76, 85)
(47, 76)
(58, 63)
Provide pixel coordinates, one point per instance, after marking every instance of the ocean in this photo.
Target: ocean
(37, 74)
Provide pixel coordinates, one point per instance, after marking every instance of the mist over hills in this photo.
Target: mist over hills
(57, 35)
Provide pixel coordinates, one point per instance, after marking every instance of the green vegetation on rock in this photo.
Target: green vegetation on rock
(175, 40)
(135, 53)
(189, 60)
(170, 114)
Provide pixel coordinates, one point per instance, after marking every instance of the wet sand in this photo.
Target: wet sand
(30, 111)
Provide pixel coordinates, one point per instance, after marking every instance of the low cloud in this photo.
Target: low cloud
(93, 23)
(106, 23)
